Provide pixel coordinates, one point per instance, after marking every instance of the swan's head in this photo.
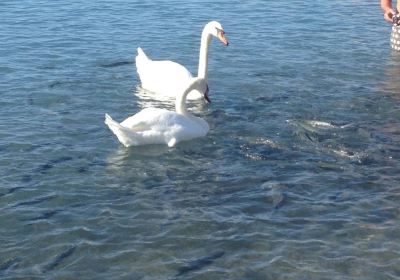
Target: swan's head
(215, 29)
(200, 85)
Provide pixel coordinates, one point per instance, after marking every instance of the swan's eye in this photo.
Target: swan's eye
(220, 31)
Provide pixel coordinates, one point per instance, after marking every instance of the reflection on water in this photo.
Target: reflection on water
(298, 177)
(120, 156)
(391, 78)
(147, 99)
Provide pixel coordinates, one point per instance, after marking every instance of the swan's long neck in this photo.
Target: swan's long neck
(203, 57)
(180, 101)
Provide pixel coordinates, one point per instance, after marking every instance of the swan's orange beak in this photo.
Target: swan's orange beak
(222, 38)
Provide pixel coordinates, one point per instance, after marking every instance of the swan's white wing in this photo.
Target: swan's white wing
(157, 120)
(149, 126)
(164, 77)
(160, 123)
(145, 119)
(180, 127)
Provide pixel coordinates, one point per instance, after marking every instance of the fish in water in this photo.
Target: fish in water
(44, 167)
(10, 191)
(116, 64)
(321, 124)
(277, 194)
(10, 263)
(46, 215)
(199, 263)
(59, 259)
(34, 201)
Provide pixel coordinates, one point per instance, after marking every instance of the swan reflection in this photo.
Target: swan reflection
(146, 99)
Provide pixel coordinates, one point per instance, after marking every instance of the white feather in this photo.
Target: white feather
(161, 126)
(168, 78)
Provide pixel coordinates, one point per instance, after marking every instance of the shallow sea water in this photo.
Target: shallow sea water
(298, 177)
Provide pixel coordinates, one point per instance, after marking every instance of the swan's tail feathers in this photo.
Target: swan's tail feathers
(141, 53)
(124, 135)
(141, 56)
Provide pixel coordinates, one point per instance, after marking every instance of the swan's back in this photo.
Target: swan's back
(162, 76)
(157, 126)
(167, 121)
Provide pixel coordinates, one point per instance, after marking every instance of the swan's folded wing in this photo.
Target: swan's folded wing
(148, 119)
(166, 77)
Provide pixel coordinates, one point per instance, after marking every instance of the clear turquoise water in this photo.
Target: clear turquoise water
(297, 179)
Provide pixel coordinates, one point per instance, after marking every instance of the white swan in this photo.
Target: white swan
(168, 78)
(159, 126)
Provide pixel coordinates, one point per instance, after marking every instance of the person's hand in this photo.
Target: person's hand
(388, 15)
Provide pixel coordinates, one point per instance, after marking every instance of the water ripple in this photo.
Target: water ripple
(297, 178)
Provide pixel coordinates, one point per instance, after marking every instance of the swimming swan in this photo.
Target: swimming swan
(159, 126)
(168, 78)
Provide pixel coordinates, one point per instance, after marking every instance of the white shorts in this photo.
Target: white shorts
(395, 38)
